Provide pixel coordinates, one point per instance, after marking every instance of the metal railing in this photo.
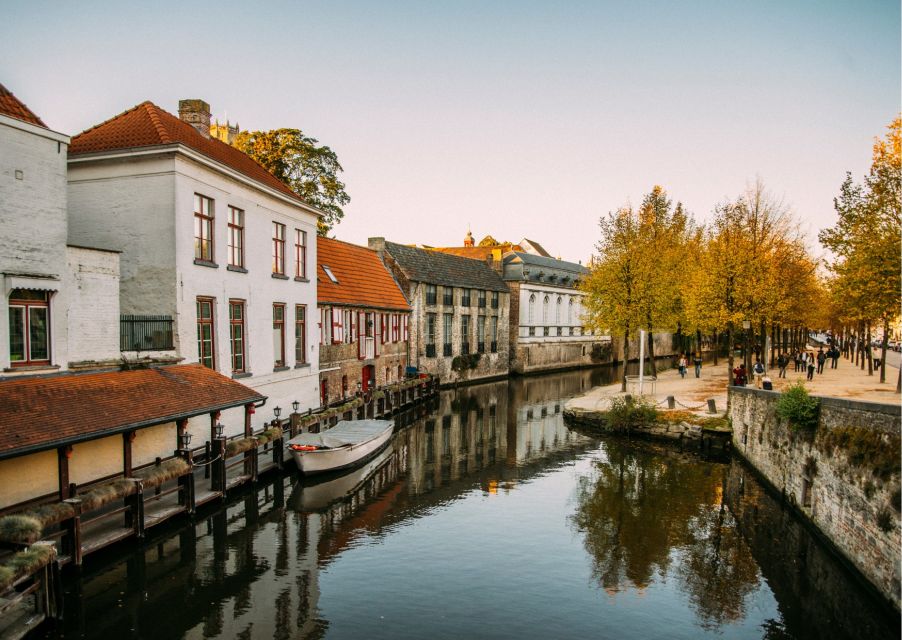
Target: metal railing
(145, 333)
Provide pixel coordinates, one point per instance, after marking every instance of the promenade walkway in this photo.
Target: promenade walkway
(691, 393)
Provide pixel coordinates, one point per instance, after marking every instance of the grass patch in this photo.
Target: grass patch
(106, 493)
(628, 412)
(158, 474)
(865, 449)
(25, 563)
(273, 433)
(20, 529)
(712, 423)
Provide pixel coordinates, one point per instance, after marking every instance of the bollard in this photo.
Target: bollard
(671, 402)
(712, 407)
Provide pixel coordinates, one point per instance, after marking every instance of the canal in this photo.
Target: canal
(486, 518)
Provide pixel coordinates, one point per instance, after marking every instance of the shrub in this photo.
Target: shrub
(627, 413)
(20, 529)
(799, 409)
(885, 521)
(25, 563)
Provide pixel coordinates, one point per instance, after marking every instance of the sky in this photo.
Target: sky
(515, 119)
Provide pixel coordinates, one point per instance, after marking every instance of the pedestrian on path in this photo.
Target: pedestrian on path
(758, 369)
(683, 364)
(797, 357)
(834, 357)
(697, 361)
(810, 364)
(782, 362)
(821, 359)
(739, 376)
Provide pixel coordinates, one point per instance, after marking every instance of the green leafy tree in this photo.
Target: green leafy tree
(309, 169)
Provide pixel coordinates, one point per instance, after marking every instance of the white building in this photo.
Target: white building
(50, 290)
(208, 239)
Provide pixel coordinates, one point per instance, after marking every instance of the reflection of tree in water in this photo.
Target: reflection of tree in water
(642, 510)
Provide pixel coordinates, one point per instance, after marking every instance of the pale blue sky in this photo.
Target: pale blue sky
(517, 118)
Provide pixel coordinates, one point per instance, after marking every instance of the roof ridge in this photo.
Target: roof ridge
(350, 244)
(118, 115)
(154, 115)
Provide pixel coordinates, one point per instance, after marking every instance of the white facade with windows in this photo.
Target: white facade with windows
(50, 290)
(225, 256)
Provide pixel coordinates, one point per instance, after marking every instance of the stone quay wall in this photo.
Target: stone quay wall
(843, 477)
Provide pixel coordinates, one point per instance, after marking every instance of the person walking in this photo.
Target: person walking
(683, 364)
(821, 359)
(758, 370)
(697, 361)
(782, 362)
(834, 356)
(797, 358)
(810, 365)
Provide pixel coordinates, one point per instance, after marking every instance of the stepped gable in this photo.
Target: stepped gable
(433, 267)
(45, 412)
(11, 106)
(147, 125)
(363, 280)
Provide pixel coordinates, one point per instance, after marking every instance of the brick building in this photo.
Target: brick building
(459, 325)
(363, 321)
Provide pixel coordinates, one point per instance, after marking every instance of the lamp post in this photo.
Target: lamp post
(184, 441)
(277, 411)
(218, 429)
(295, 405)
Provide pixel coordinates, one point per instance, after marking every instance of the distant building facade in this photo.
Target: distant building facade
(460, 320)
(363, 321)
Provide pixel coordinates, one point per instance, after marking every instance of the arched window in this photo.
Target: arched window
(531, 308)
(570, 312)
(557, 311)
(545, 311)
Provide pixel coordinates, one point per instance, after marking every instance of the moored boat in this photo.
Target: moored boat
(347, 443)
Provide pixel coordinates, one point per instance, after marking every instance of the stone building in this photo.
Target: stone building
(460, 320)
(547, 331)
(50, 288)
(363, 321)
(215, 252)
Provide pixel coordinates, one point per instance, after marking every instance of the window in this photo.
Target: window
(300, 254)
(236, 335)
(278, 334)
(481, 300)
(480, 334)
(494, 345)
(448, 296)
(29, 327)
(570, 312)
(206, 352)
(557, 312)
(203, 228)
(430, 335)
(545, 311)
(330, 274)
(494, 299)
(278, 248)
(430, 294)
(236, 237)
(465, 335)
(300, 334)
(465, 297)
(447, 324)
(531, 308)
(325, 325)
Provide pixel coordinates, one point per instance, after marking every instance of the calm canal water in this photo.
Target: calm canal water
(487, 518)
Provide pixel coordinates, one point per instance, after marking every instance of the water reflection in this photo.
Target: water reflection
(293, 558)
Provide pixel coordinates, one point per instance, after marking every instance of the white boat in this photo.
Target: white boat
(318, 495)
(344, 445)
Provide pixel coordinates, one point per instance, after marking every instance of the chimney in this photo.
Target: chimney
(377, 245)
(197, 114)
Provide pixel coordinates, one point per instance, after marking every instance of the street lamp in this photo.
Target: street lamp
(218, 429)
(184, 440)
(277, 411)
(295, 405)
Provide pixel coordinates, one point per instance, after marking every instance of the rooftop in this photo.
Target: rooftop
(362, 278)
(11, 106)
(41, 413)
(433, 267)
(147, 125)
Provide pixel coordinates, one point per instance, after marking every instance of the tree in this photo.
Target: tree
(865, 242)
(308, 169)
(612, 287)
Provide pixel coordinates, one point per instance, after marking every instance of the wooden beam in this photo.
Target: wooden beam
(62, 457)
(127, 439)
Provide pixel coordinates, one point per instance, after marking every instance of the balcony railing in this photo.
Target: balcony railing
(145, 333)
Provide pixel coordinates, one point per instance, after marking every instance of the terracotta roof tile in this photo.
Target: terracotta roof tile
(362, 278)
(45, 412)
(147, 125)
(11, 106)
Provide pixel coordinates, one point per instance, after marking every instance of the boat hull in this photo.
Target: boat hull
(325, 460)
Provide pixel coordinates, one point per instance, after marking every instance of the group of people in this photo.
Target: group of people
(684, 364)
(805, 362)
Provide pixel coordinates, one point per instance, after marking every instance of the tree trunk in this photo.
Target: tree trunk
(716, 346)
(773, 342)
(899, 381)
(626, 358)
(883, 350)
(651, 353)
(867, 351)
(698, 343)
(729, 354)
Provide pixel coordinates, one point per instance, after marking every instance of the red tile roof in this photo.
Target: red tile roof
(147, 125)
(46, 412)
(362, 278)
(11, 106)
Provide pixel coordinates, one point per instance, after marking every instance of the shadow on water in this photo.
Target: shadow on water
(644, 516)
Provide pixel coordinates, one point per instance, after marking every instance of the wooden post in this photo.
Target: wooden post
(186, 483)
(62, 458)
(217, 452)
(248, 412)
(294, 424)
(134, 517)
(214, 419)
(181, 426)
(73, 531)
(127, 438)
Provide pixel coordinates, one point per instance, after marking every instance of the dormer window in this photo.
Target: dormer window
(330, 274)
